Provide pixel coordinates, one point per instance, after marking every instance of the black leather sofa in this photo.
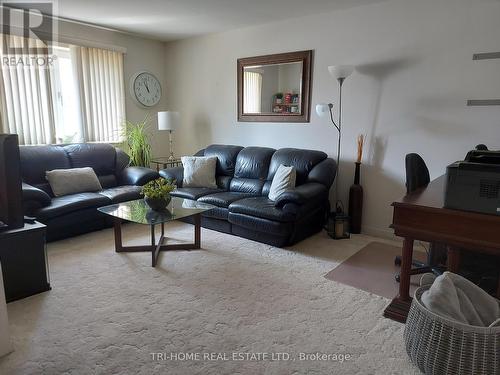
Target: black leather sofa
(244, 176)
(74, 214)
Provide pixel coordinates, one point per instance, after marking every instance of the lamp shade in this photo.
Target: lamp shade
(168, 120)
(340, 71)
(323, 109)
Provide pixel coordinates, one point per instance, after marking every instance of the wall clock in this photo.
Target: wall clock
(145, 88)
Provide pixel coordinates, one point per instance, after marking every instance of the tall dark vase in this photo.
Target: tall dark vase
(356, 202)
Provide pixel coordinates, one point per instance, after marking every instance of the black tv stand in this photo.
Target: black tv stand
(24, 261)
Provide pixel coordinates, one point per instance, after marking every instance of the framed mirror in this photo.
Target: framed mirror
(275, 88)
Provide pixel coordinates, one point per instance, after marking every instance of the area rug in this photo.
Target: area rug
(372, 269)
(233, 307)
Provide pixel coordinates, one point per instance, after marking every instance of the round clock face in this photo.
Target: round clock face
(146, 89)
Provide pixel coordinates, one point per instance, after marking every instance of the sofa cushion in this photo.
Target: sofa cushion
(261, 207)
(193, 193)
(219, 213)
(283, 180)
(72, 181)
(122, 193)
(260, 224)
(226, 158)
(199, 171)
(223, 199)
(36, 160)
(252, 166)
(99, 156)
(253, 162)
(246, 185)
(303, 161)
(70, 203)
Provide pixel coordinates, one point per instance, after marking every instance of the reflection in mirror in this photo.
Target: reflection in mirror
(274, 88)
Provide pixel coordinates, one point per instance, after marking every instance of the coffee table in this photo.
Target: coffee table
(137, 211)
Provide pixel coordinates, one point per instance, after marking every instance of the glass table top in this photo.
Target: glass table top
(138, 211)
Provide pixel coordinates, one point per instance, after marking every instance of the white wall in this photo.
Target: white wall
(142, 54)
(415, 73)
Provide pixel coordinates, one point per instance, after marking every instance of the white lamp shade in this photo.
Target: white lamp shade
(340, 71)
(322, 109)
(168, 120)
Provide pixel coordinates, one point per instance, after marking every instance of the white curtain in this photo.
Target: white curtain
(26, 105)
(99, 74)
(252, 86)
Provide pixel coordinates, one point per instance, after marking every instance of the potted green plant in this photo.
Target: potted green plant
(157, 193)
(137, 141)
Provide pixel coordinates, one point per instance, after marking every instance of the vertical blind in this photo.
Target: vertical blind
(101, 92)
(26, 96)
(28, 105)
(252, 85)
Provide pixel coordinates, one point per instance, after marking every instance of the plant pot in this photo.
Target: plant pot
(158, 204)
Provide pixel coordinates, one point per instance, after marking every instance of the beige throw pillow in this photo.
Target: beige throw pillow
(199, 171)
(72, 181)
(284, 179)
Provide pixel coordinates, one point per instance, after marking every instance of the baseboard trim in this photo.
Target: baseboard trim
(374, 231)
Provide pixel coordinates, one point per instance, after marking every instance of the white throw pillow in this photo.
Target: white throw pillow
(284, 179)
(72, 181)
(199, 171)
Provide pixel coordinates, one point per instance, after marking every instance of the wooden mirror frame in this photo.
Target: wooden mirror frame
(302, 56)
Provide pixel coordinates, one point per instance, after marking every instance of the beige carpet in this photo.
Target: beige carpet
(108, 312)
(372, 269)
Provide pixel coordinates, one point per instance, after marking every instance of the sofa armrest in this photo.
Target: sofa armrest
(137, 176)
(176, 173)
(31, 193)
(302, 194)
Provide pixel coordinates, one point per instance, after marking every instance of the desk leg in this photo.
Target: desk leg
(400, 306)
(453, 262)
(406, 261)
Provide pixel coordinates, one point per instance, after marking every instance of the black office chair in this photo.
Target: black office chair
(417, 176)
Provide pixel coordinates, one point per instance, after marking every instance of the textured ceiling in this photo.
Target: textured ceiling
(177, 19)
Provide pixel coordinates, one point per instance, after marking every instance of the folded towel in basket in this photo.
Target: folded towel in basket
(454, 297)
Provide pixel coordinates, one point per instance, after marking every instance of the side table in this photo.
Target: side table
(166, 162)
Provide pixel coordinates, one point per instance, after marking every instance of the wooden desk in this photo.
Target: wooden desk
(420, 216)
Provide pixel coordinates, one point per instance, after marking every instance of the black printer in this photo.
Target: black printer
(474, 184)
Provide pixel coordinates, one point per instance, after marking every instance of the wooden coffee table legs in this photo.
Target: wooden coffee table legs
(400, 306)
(156, 247)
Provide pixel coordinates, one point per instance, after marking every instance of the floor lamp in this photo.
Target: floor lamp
(340, 73)
(168, 120)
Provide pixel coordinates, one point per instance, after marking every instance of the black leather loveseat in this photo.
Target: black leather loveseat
(74, 214)
(244, 176)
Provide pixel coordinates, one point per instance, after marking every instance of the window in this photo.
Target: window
(253, 91)
(77, 98)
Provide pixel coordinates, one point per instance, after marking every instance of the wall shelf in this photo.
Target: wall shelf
(483, 102)
(486, 56)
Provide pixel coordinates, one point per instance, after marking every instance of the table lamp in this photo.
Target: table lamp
(168, 120)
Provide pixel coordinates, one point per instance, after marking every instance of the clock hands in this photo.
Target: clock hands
(147, 88)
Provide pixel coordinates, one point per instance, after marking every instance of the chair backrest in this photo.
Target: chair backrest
(417, 174)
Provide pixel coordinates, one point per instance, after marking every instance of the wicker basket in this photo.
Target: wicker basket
(438, 345)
